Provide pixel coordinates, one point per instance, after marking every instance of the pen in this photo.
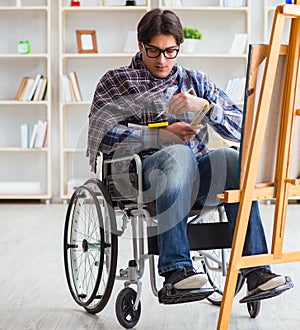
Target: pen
(166, 109)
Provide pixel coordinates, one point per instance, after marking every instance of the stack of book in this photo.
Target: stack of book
(238, 45)
(37, 139)
(235, 89)
(32, 89)
(70, 88)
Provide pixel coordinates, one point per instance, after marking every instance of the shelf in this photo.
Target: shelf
(127, 55)
(95, 55)
(24, 56)
(71, 150)
(24, 8)
(12, 102)
(204, 8)
(18, 149)
(105, 9)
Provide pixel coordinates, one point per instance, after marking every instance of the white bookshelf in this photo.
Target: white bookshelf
(112, 22)
(25, 173)
(269, 10)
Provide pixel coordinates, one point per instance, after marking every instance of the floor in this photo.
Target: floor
(34, 293)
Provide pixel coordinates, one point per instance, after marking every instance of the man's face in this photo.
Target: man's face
(160, 66)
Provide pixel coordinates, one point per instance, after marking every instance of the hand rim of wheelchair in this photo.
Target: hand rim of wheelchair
(95, 302)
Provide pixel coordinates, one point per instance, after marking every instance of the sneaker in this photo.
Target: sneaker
(263, 280)
(185, 278)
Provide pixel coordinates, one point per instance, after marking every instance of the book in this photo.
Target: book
(24, 135)
(75, 85)
(238, 44)
(27, 89)
(38, 90)
(235, 88)
(21, 88)
(173, 3)
(71, 87)
(43, 90)
(33, 136)
(66, 90)
(34, 86)
(41, 134)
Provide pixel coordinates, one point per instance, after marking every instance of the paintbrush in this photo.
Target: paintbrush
(166, 109)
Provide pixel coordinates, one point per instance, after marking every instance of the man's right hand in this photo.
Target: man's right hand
(179, 132)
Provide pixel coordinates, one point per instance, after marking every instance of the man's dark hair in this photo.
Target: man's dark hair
(156, 22)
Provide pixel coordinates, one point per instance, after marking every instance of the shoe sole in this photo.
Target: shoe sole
(193, 282)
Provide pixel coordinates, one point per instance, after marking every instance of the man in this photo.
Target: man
(178, 168)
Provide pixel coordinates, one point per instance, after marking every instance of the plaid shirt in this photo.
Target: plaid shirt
(132, 95)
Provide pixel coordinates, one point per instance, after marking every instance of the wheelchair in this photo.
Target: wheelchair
(100, 211)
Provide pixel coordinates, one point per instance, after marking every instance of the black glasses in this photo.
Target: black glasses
(154, 52)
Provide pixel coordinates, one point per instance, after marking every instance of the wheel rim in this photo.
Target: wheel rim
(83, 246)
(110, 246)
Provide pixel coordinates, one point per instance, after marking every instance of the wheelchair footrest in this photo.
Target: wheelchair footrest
(260, 295)
(169, 295)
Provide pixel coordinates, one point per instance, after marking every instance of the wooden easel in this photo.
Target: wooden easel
(283, 185)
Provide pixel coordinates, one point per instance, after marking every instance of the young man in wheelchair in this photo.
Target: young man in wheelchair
(178, 169)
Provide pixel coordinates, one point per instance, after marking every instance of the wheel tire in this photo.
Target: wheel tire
(77, 243)
(110, 247)
(89, 221)
(126, 315)
(254, 308)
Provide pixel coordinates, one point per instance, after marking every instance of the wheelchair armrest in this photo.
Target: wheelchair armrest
(124, 186)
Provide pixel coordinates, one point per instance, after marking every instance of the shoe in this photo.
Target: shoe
(263, 284)
(185, 278)
(264, 280)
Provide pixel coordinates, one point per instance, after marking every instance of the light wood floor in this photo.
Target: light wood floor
(34, 293)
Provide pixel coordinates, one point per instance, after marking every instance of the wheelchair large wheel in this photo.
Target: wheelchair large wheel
(90, 247)
(216, 277)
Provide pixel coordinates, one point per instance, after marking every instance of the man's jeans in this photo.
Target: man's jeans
(176, 180)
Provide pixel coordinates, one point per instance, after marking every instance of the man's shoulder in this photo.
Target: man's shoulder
(121, 71)
(190, 72)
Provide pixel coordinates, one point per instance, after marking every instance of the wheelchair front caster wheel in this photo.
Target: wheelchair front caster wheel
(127, 316)
(254, 308)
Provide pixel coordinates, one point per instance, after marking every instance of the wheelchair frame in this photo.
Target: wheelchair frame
(91, 246)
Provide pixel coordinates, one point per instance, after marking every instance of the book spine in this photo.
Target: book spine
(34, 86)
(74, 81)
(21, 88)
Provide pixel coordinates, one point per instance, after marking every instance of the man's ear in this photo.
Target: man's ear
(140, 46)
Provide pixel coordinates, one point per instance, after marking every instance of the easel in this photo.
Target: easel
(283, 186)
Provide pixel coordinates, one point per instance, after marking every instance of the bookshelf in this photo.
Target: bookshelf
(213, 58)
(112, 22)
(25, 171)
(269, 10)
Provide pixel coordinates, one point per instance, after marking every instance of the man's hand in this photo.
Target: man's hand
(179, 132)
(184, 102)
